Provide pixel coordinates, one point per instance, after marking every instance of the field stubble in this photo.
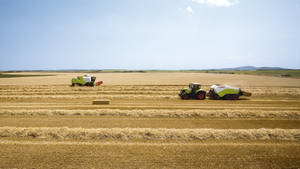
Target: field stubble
(146, 109)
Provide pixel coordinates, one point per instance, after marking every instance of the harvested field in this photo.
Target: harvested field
(119, 155)
(45, 123)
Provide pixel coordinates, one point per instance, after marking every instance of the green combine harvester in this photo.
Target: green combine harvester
(216, 92)
(85, 80)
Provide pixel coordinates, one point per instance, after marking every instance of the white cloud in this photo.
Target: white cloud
(221, 3)
(189, 9)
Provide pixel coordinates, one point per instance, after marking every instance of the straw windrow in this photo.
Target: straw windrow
(179, 113)
(123, 134)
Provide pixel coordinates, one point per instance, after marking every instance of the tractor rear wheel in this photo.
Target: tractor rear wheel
(201, 95)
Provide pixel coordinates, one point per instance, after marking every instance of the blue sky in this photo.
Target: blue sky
(148, 34)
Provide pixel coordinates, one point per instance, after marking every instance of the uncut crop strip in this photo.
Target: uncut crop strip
(124, 134)
(220, 114)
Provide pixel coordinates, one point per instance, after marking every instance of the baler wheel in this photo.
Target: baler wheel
(228, 97)
(231, 97)
(235, 97)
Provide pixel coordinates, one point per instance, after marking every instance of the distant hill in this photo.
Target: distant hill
(241, 68)
(253, 68)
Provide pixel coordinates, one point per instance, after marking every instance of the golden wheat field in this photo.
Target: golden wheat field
(46, 123)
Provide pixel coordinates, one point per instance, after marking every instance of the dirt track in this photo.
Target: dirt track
(146, 106)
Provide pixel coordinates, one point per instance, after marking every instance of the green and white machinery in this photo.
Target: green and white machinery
(85, 80)
(216, 92)
(193, 92)
(226, 92)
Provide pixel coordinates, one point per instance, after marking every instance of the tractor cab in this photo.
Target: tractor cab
(194, 86)
(93, 78)
(88, 78)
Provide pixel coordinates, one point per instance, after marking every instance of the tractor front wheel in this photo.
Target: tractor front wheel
(185, 96)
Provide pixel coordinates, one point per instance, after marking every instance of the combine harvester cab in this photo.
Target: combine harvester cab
(226, 92)
(193, 92)
(85, 80)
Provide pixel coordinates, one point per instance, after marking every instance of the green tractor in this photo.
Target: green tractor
(85, 80)
(193, 92)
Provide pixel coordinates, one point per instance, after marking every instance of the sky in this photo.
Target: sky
(148, 34)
